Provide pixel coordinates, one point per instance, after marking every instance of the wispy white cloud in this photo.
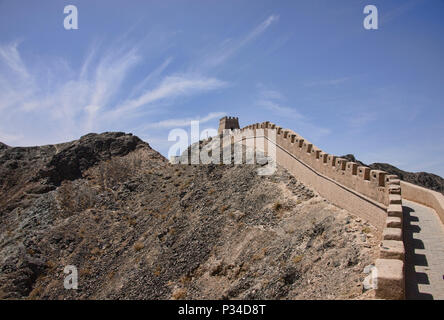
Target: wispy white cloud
(72, 102)
(68, 101)
(276, 108)
(11, 58)
(183, 122)
(230, 47)
(150, 77)
(170, 87)
(272, 101)
(271, 94)
(109, 75)
(261, 28)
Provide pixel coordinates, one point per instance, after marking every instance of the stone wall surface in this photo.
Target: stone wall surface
(424, 196)
(371, 194)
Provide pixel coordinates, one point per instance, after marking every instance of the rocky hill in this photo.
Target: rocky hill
(3, 146)
(137, 227)
(423, 179)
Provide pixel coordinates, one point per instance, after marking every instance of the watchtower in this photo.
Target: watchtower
(228, 123)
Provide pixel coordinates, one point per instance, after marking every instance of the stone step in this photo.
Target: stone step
(395, 199)
(390, 279)
(392, 249)
(392, 234)
(393, 222)
(395, 182)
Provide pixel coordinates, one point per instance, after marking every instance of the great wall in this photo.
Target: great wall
(373, 195)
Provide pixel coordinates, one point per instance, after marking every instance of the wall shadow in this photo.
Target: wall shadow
(412, 278)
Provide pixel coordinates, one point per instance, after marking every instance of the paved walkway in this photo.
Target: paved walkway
(424, 244)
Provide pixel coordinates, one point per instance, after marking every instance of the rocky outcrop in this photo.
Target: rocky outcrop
(37, 170)
(137, 227)
(73, 159)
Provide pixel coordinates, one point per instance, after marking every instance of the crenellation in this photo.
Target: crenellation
(228, 123)
(352, 168)
(341, 163)
(323, 157)
(316, 152)
(394, 189)
(378, 177)
(388, 177)
(300, 142)
(307, 147)
(339, 171)
(319, 169)
(371, 183)
(364, 173)
(331, 160)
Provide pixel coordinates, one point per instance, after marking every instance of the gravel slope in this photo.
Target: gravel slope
(137, 227)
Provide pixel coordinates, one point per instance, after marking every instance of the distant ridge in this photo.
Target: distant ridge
(423, 179)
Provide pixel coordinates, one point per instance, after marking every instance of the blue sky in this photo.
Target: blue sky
(148, 67)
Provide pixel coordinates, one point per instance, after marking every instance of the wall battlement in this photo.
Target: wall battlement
(371, 194)
(228, 123)
(371, 183)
